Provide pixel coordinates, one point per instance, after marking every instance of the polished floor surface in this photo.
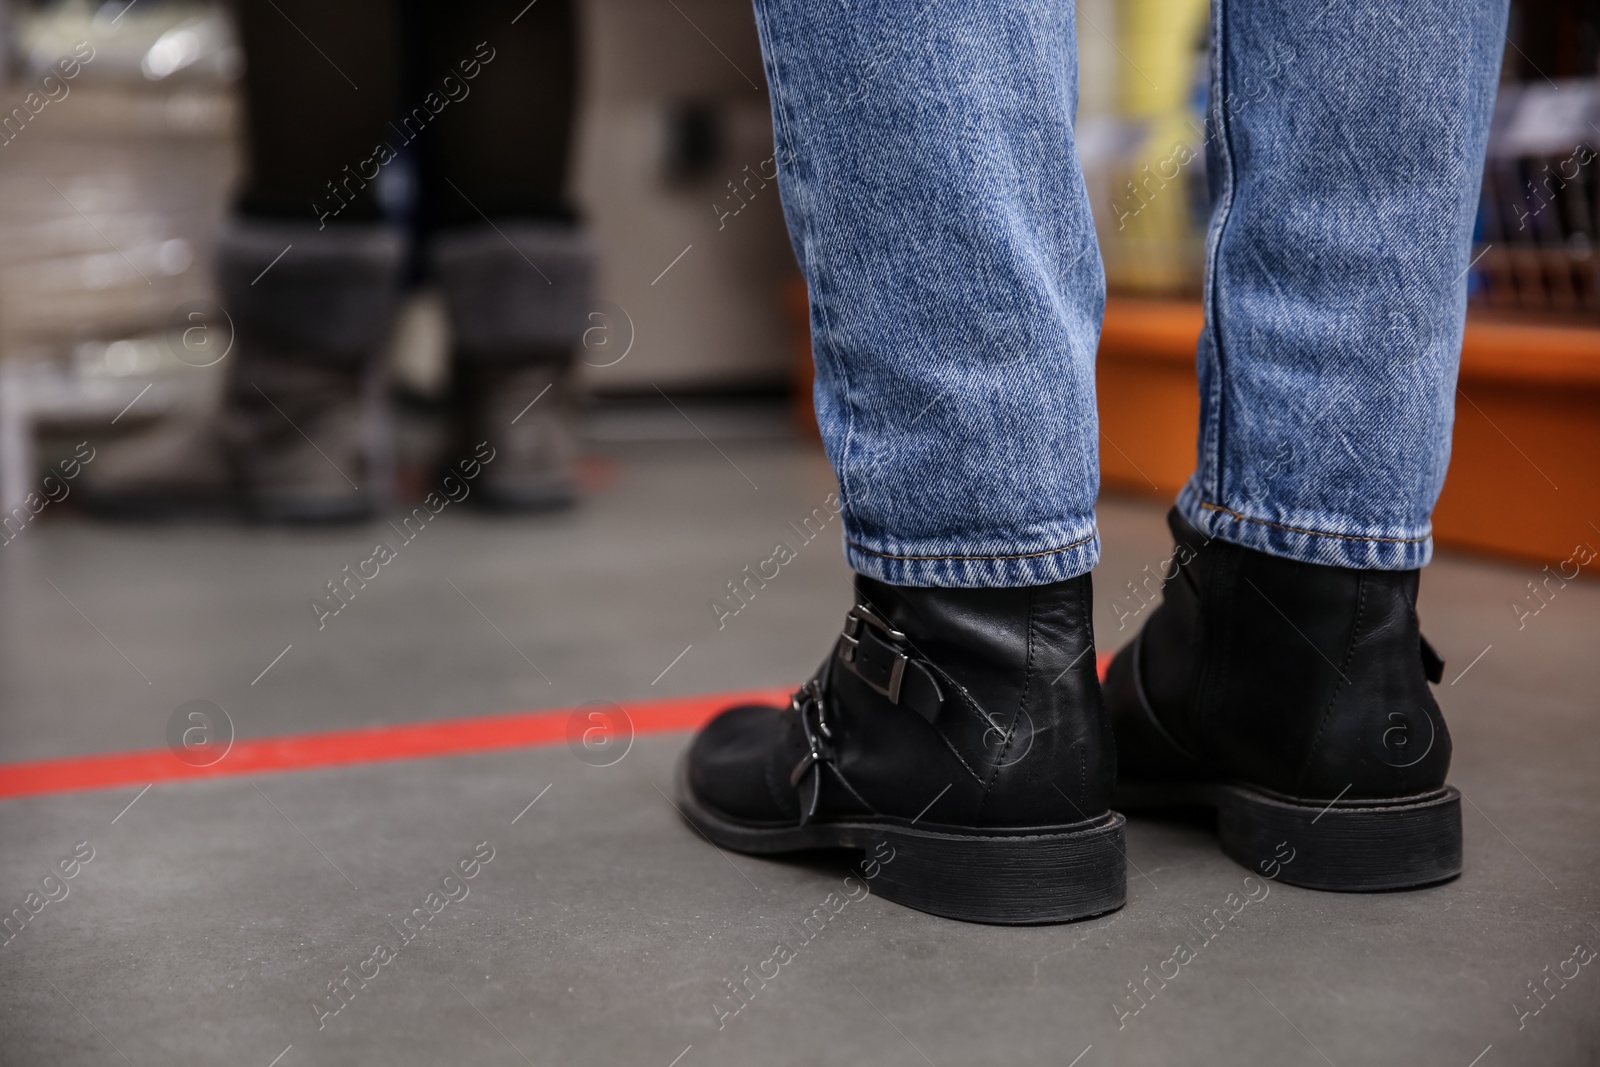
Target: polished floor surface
(212, 918)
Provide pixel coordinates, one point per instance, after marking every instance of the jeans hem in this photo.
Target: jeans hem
(961, 571)
(1383, 550)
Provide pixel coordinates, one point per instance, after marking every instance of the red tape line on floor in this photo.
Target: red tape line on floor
(418, 740)
(372, 744)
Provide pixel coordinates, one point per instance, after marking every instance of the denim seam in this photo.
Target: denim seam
(1313, 533)
(781, 110)
(840, 365)
(1212, 434)
(842, 368)
(1024, 555)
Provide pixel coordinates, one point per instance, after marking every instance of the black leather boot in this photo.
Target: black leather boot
(1292, 697)
(958, 732)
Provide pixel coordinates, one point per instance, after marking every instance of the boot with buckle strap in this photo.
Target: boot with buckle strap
(1293, 698)
(961, 728)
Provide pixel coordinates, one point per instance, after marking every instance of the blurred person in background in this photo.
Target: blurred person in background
(475, 100)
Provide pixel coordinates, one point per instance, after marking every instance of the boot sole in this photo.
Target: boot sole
(1028, 877)
(1350, 846)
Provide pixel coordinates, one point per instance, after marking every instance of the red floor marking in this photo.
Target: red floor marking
(373, 744)
(418, 740)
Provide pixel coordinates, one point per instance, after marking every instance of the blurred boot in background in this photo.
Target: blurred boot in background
(290, 439)
(478, 109)
(308, 332)
(517, 330)
(507, 252)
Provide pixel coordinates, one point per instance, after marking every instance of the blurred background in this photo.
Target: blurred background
(112, 200)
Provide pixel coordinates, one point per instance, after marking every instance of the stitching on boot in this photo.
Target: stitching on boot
(954, 686)
(1083, 775)
(1212, 673)
(838, 774)
(772, 787)
(972, 706)
(1338, 686)
(1016, 716)
(1083, 747)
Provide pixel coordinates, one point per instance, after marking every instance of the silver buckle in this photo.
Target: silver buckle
(863, 614)
(851, 641)
(818, 749)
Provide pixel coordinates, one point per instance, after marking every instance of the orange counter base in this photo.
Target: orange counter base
(1523, 481)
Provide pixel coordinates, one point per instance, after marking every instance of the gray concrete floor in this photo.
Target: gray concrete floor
(214, 914)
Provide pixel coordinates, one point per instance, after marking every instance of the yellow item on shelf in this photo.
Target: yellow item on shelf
(1151, 238)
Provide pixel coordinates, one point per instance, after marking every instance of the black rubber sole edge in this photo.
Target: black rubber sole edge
(1345, 846)
(1054, 875)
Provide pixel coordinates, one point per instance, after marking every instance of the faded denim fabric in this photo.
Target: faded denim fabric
(933, 194)
(1336, 289)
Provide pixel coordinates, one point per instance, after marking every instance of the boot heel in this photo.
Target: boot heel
(1352, 847)
(1007, 880)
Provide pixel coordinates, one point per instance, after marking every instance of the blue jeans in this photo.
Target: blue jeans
(934, 197)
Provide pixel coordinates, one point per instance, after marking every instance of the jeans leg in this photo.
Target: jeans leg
(1345, 144)
(930, 180)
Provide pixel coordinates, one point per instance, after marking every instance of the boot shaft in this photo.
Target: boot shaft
(1304, 678)
(516, 294)
(294, 292)
(1013, 721)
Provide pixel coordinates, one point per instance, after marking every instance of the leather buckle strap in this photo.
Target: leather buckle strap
(1432, 662)
(873, 650)
(807, 774)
